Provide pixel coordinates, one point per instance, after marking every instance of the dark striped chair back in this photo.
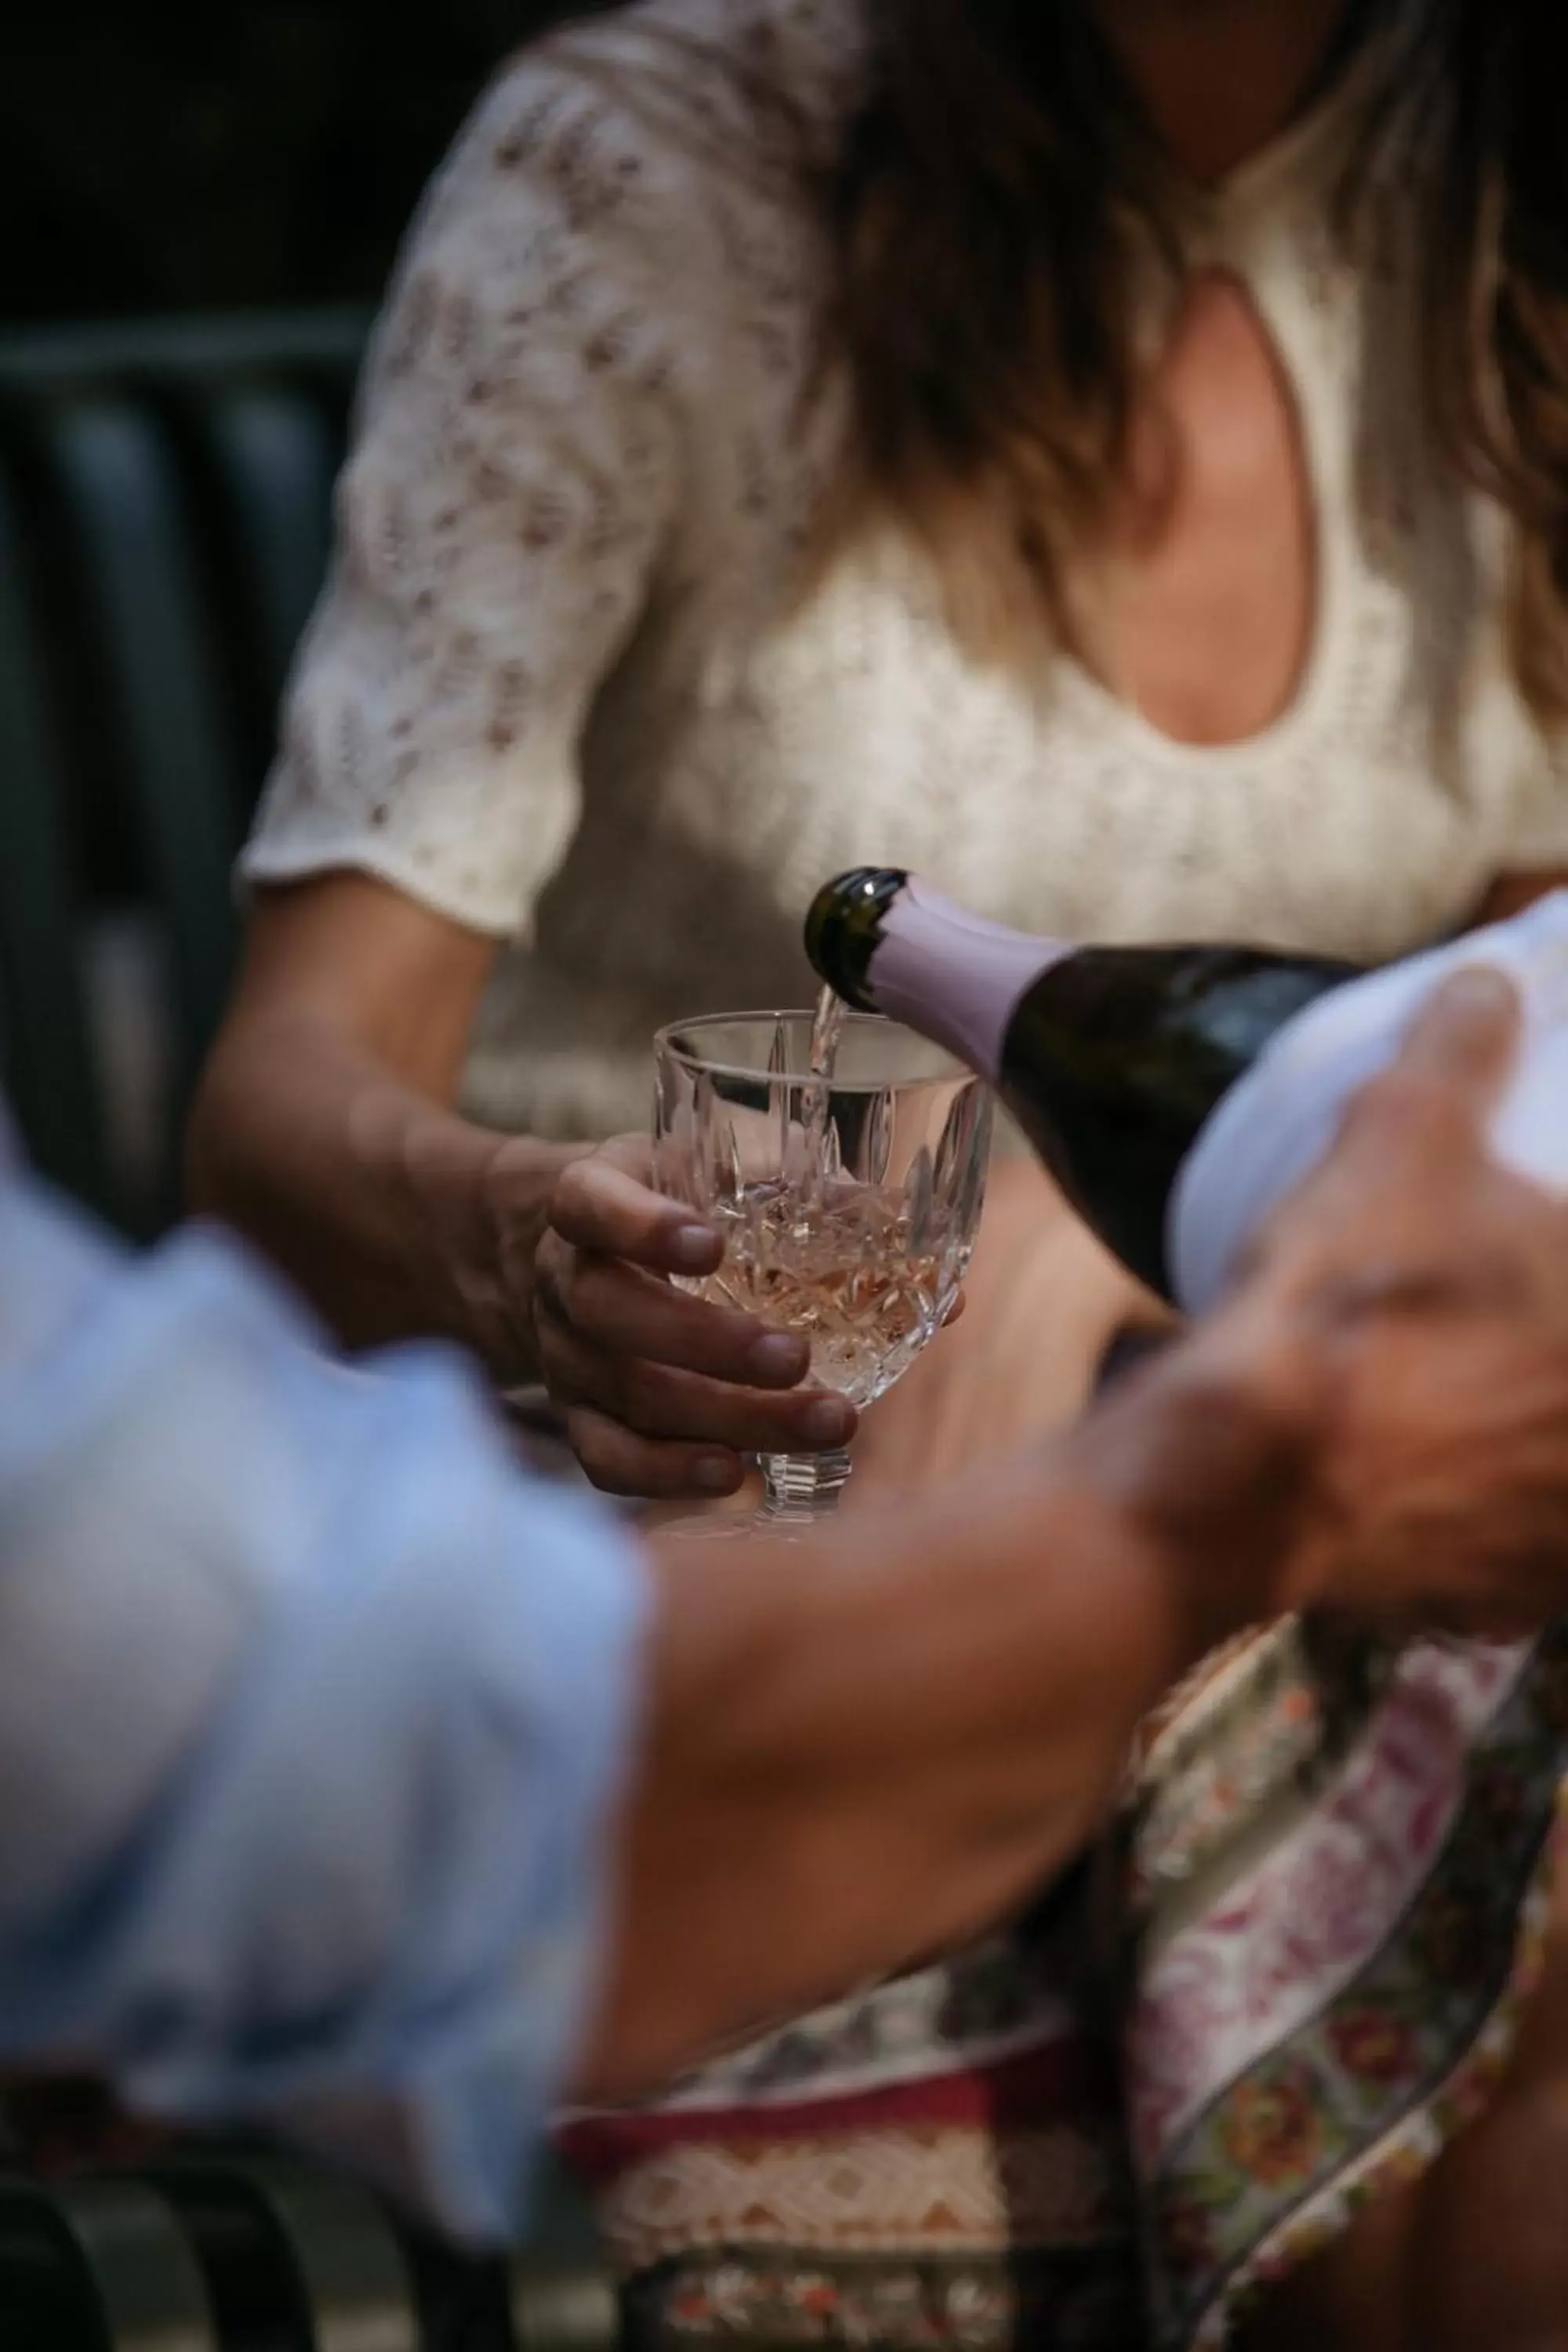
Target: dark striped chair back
(254, 2252)
(164, 514)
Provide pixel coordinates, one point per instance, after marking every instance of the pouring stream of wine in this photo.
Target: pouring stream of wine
(826, 1030)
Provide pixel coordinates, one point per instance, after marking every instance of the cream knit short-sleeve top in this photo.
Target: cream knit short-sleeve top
(562, 686)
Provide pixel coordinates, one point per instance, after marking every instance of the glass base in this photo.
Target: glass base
(798, 1491)
(800, 1488)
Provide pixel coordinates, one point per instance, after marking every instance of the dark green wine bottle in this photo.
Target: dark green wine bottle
(1110, 1059)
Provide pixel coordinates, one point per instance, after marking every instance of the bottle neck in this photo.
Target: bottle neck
(953, 977)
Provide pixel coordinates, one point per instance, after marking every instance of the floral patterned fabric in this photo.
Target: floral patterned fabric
(1332, 1867)
(1318, 2008)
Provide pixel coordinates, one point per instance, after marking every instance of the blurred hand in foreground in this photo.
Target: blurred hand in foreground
(1410, 1304)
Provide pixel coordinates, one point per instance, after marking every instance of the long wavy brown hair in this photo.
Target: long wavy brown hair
(999, 210)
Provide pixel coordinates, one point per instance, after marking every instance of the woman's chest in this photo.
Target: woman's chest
(1364, 822)
(1300, 733)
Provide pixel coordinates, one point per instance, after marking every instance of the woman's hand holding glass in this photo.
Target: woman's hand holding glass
(663, 1393)
(847, 1209)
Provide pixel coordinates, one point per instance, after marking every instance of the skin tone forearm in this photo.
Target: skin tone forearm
(866, 1747)
(399, 1218)
(396, 1217)
(325, 1131)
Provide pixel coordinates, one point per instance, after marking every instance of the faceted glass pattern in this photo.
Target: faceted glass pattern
(849, 1209)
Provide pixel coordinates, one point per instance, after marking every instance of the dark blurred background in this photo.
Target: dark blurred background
(202, 199)
(160, 155)
(201, 204)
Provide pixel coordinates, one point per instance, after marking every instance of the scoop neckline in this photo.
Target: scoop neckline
(1297, 166)
(1329, 638)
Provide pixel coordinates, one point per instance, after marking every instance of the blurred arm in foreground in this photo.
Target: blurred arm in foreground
(350, 1782)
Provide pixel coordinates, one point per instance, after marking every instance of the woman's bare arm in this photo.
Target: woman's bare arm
(868, 1744)
(325, 1130)
(328, 1132)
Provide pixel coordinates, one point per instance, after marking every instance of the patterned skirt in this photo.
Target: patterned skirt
(1292, 1976)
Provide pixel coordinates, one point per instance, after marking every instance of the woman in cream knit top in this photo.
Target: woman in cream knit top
(562, 690)
(594, 698)
(593, 703)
